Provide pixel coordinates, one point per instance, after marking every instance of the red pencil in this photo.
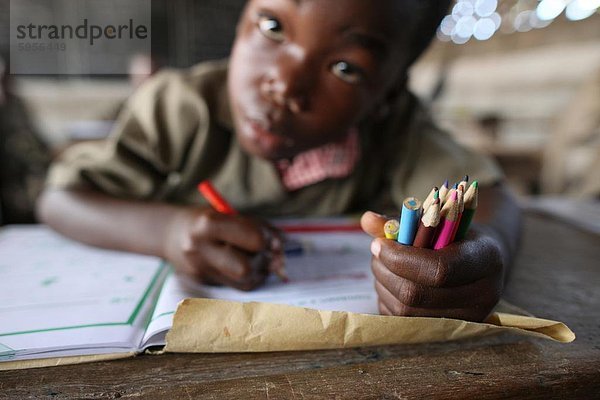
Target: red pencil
(428, 225)
(215, 199)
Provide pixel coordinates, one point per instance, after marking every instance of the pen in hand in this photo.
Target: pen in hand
(217, 201)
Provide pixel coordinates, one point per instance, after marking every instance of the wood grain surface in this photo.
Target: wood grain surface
(557, 276)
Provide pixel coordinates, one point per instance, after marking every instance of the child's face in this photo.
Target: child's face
(303, 72)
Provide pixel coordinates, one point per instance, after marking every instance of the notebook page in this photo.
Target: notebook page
(333, 273)
(61, 297)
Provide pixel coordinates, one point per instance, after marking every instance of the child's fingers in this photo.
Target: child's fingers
(373, 223)
(275, 243)
(395, 307)
(246, 285)
(455, 265)
(232, 264)
(277, 265)
(237, 230)
(383, 310)
(482, 292)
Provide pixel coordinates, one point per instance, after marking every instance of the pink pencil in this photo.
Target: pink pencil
(461, 208)
(449, 220)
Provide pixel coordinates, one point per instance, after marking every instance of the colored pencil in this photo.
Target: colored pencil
(460, 198)
(445, 206)
(428, 226)
(465, 182)
(409, 220)
(391, 229)
(443, 192)
(215, 199)
(471, 200)
(430, 198)
(449, 215)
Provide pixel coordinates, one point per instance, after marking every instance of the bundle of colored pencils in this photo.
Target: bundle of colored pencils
(444, 216)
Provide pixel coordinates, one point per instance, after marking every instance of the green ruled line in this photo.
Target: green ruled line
(162, 315)
(63, 328)
(146, 294)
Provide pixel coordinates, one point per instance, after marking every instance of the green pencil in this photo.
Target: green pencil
(470, 199)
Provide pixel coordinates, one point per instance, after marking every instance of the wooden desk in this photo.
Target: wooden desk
(557, 276)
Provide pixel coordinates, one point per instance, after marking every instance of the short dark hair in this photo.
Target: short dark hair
(427, 16)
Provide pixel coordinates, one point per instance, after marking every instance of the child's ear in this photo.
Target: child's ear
(394, 92)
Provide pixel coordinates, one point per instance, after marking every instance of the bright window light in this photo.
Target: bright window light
(550, 9)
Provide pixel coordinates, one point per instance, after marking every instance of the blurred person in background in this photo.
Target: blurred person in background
(572, 158)
(24, 157)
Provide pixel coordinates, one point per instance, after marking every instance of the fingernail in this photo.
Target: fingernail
(282, 274)
(375, 248)
(375, 214)
(277, 266)
(266, 232)
(276, 243)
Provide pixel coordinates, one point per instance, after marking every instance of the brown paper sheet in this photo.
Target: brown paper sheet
(211, 326)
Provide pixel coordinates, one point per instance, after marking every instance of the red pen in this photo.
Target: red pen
(217, 201)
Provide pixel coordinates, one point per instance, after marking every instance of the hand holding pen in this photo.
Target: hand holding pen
(274, 250)
(230, 249)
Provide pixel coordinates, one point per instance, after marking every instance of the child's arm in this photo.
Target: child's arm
(464, 280)
(200, 243)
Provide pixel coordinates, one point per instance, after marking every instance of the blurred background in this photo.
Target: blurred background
(517, 79)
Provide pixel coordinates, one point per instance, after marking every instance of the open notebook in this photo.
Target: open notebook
(61, 298)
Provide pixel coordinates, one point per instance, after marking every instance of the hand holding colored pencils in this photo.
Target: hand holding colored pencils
(275, 247)
(418, 279)
(445, 216)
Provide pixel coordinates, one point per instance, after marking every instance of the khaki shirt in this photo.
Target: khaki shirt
(177, 131)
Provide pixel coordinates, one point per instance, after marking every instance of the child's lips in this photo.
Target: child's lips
(264, 136)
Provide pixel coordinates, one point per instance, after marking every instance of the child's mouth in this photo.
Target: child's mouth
(264, 138)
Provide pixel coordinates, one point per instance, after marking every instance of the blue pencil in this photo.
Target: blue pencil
(409, 220)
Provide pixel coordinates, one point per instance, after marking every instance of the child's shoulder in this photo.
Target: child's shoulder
(205, 79)
(207, 71)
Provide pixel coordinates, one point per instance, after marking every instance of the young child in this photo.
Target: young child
(310, 116)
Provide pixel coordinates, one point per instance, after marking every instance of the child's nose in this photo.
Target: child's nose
(286, 84)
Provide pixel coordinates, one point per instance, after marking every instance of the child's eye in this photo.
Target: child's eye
(347, 72)
(270, 27)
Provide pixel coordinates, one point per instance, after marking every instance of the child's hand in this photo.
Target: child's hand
(462, 281)
(223, 249)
